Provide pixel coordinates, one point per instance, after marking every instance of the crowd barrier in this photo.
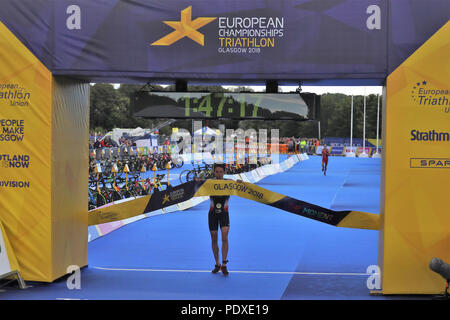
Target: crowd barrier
(253, 176)
(342, 150)
(109, 152)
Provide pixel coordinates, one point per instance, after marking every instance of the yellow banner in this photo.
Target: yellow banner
(416, 178)
(118, 211)
(43, 163)
(184, 192)
(25, 142)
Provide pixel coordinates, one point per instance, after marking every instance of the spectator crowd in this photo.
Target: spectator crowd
(301, 145)
(99, 141)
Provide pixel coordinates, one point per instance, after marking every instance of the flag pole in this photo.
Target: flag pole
(351, 153)
(364, 154)
(377, 154)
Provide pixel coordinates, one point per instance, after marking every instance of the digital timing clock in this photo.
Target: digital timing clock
(206, 105)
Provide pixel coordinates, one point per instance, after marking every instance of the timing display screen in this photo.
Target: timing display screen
(206, 105)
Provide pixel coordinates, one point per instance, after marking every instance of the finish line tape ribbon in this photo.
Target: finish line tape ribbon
(129, 208)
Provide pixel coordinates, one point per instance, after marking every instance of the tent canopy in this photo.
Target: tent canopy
(207, 131)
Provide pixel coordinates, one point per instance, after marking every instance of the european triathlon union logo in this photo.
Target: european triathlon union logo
(186, 27)
(417, 86)
(424, 94)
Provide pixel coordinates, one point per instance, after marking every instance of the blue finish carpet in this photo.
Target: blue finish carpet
(274, 255)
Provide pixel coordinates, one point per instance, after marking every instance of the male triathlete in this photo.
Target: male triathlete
(218, 215)
(325, 154)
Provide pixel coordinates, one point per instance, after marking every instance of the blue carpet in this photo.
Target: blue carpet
(270, 250)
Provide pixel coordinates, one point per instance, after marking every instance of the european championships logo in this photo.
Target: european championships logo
(235, 35)
(185, 28)
(166, 199)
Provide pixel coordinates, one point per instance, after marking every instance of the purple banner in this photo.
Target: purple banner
(290, 40)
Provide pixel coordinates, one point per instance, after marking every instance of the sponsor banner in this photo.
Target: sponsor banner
(337, 151)
(170, 197)
(361, 149)
(165, 199)
(416, 175)
(319, 150)
(25, 156)
(142, 150)
(351, 149)
(430, 163)
(239, 39)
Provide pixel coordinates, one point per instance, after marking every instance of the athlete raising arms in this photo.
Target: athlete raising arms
(325, 154)
(218, 215)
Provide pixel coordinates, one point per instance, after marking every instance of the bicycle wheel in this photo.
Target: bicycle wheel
(191, 175)
(115, 195)
(127, 194)
(183, 176)
(137, 190)
(180, 163)
(100, 199)
(91, 200)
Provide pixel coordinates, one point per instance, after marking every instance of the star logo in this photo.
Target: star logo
(185, 28)
(166, 199)
(415, 89)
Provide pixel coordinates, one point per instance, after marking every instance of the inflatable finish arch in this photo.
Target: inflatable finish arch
(51, 50)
